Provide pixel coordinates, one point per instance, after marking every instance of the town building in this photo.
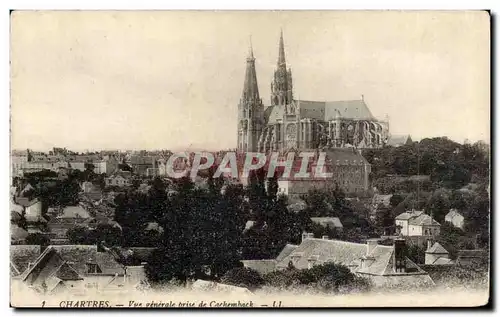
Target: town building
(417, 223)
(289, 123)
(455, 218)
(385, 266)
(81, 270)
(328, 222)
(436, 254)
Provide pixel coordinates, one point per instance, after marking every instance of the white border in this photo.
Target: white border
(493, 5)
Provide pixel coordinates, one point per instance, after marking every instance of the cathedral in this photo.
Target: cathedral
(289, 124)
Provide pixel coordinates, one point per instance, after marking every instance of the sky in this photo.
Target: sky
(93, 80)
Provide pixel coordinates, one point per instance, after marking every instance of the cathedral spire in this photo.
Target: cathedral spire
(281, 58)
(250, 87)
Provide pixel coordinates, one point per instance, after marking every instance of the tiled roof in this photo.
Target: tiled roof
(398, 140)
(25, 202)
(15, 216)
(324, 250)
(16, 207)
(381, 262)
(329, 110)
(261, 266)
(381, 199)
(437, 248)
(21, 255)
(328, 221)
(423, 220)
(452, 215)
(289, 248)
(79, 255)
(74, 212)
(17, 233)
(66, 272)
(442, 261)
(409, 214)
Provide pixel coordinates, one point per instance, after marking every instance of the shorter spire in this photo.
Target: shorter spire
(250, 53)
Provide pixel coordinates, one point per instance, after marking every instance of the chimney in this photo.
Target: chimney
(371, 244)
(429, 244)
(399, 255)
(324, 237)
(304, 236)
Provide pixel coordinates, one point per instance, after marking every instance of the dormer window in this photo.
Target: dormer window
(93, 268)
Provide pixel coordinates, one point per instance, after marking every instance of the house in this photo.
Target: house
(17, 234)
(385, 266)
(436, 254)
(378, 199)
(22, 257)
(328, 222)
(417, 223)
(389, 267)
(118, 179)
(32, 210)
(74, 212)
(79, 270)
(140, 164)
(455, 218)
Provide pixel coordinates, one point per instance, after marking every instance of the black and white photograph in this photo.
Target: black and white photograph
(249, 159)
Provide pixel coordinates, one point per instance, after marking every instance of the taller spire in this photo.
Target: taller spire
(281, 58)
(250, 87)
(281, 86)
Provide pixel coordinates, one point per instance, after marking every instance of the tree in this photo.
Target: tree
(243, 277)
(438, 204)
(416, 253)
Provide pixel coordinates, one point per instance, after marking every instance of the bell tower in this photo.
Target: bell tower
(281, 86)
(250, 109)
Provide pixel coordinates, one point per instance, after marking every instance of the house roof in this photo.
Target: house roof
(437, 248)
(289, 248)
(77, 257)
(327, 221)
(452, 215)
(381, 199)
(26, 202)
(261, 266)
(74, 212)
(442, 261)
(423, 220)
(380, 261)
(398, 140)
(17, 233)
(322, 250)
(15, 216)
(66, 272)
(22, 255)
(16, 207)
(409, 214)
